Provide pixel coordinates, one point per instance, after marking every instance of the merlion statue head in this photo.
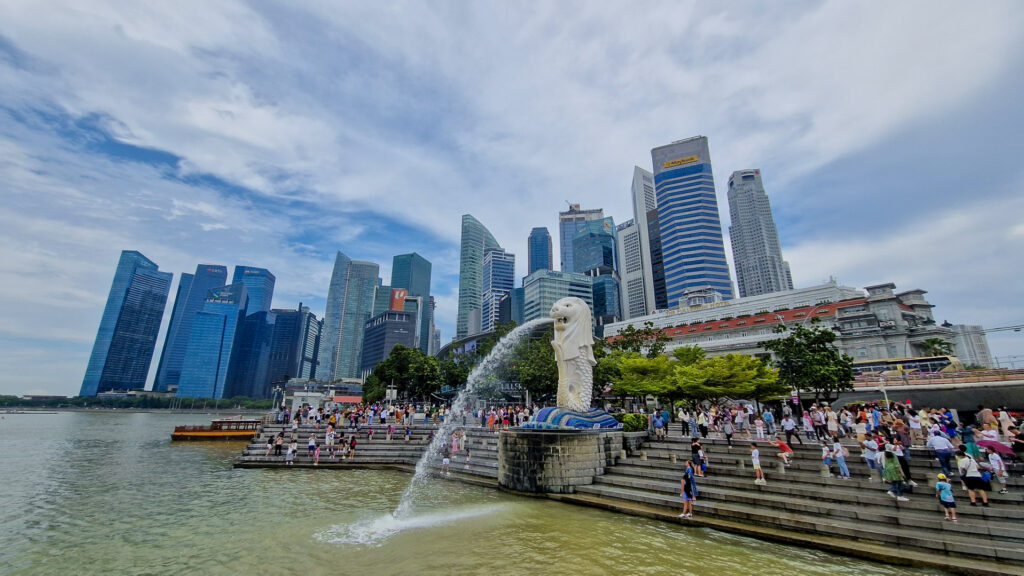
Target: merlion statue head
(573, 327)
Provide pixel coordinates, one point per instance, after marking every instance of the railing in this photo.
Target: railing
(942, 378)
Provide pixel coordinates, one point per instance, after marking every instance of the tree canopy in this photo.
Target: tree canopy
(731, 376)
(647, 340)
(413, 373)
(808, 359)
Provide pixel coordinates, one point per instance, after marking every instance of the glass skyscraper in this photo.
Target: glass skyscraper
(497, 280)
(412, 272)
(349, 305)
(593, 246)
(259, 283)
(545, 287)
(539, 254)
(692, 248)
(756, 250)
(192, 291)
(476, 241)
(569, 222)
(212, 346)
(129, 327)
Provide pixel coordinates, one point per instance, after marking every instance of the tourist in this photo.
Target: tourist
(659, 426)
(270, 444)
(839, 454)
(369, 433)
(391, 431)
(769, 421)
(702, 423)
(329, 438)
(903, 457)
(870, 447)
(893, 474)
(727, 429)
(971, 476)
(944, 492)
(1016, 441)
(293, 449)
(997, 468)
(759, 428)
(279, 443)
(916, 431)
(755, 459)
(408, 431)
(785, 450)
(808, 425)
(446, 460)
(789, 427)
(826, 457)
(316, 456)
(943, 449)
(352, 447)
(688, 490)
(455, 442)
(1005, 422)
(831, 422)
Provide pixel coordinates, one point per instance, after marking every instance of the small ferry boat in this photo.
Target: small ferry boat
(222, 429)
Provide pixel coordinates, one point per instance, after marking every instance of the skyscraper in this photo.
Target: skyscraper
(293, 344)
(213, 344)
(412, 272)
(192, 291)
(545, 287)
(632, 299)
(539, 254)
(569, 222)
(638, 249)
(756, 251)
(349, 306)
(124, 344)
(497, 279)
(693, 251)
(259, 284)
(309, 352)
(383, 332)
(594, 255)
(476, 240)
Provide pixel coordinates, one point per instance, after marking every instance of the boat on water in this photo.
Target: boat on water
(220, 429)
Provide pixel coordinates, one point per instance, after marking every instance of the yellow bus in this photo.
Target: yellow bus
(908, 366)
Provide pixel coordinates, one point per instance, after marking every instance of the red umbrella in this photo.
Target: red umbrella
(997, 446)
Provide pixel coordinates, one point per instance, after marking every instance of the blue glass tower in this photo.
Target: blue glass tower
(259, 284)
(539, 254)
(128, 329)
(692, 249)
(349, 305)
(497, 280)
(192, 291)
(593, 246)
(212, 344)
(412, 272)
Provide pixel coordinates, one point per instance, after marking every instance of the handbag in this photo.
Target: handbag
(986, 477)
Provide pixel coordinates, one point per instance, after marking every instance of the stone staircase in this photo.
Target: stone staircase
(803, 498)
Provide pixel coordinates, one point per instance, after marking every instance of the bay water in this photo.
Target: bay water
(109, 493)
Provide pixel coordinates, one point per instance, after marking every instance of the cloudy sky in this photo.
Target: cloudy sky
(274, 135)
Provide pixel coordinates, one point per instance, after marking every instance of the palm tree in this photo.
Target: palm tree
(937, 347)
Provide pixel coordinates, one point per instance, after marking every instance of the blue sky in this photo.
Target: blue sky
(275, 135)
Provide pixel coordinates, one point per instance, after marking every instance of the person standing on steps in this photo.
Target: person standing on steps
(971, 476)
(688, 490)
(839, 454)
(944, 492)
(789, 428)
(893, 474)
(944, 450)
(727, 429)
(755, 459)
(997, 468)
(659, 426)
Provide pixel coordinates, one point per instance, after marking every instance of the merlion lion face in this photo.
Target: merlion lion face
(568, 312)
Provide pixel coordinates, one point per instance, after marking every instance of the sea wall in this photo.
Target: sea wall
(554, 461)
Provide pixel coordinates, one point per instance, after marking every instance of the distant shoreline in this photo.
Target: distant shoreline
(49, 410)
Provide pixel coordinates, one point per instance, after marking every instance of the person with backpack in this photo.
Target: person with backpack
(972, 477)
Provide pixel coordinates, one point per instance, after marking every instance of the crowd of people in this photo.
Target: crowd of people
(884, 434)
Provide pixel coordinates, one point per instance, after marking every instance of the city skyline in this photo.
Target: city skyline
(194, 150)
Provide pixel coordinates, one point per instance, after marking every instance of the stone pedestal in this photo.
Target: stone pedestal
(554, 461)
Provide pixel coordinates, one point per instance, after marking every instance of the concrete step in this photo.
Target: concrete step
(947, 541)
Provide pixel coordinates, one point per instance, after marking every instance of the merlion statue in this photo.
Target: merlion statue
(574, 353)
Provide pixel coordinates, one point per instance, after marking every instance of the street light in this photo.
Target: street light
(881, 388)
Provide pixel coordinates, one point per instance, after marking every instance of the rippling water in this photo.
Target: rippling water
(107, 493)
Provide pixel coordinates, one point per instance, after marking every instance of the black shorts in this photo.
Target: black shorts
(976, 483)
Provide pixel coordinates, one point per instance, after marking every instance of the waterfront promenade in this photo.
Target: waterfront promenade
(799, 505)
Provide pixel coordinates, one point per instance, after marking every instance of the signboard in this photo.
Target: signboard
(398, 299)
(680, 162)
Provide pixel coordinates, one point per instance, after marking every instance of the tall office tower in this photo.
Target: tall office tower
(497, 279)
(645, 215)
(286, 343)
(128, 329)
(539, 254)
(309, 351)
(476, 241)
(545, 287)
(381, 298)
(605, 290)
(259, 283)
(632, 297)
(349, 306)
(212, 346)
(412, 272)
(510, 309)
(435, 334)
(569, 222)
(594, 255)
(248, 374)
(692, 247)
(383, 332)
(756, 251)
(192, 291)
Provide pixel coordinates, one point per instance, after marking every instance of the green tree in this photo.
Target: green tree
(808, 359)
(647, 340)
(936, 347)
(413, 373)
(643, 376)
(687, 355)
(730, 376)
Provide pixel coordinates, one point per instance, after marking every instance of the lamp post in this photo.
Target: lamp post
(881, 388)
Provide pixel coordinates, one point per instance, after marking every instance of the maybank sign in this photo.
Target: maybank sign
(680, 162)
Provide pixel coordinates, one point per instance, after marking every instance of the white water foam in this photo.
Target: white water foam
(375, 531)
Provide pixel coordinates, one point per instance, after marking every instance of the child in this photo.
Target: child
(445, 461)
(703, 459)
(785, 451)
(826, 457)
(755, 459)
(352, 447)
(391, 431)
(408, 431)
(316, 456)
(467, 457)
(944, 492)
(759, 427)
(998, 468)
(312, 445)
